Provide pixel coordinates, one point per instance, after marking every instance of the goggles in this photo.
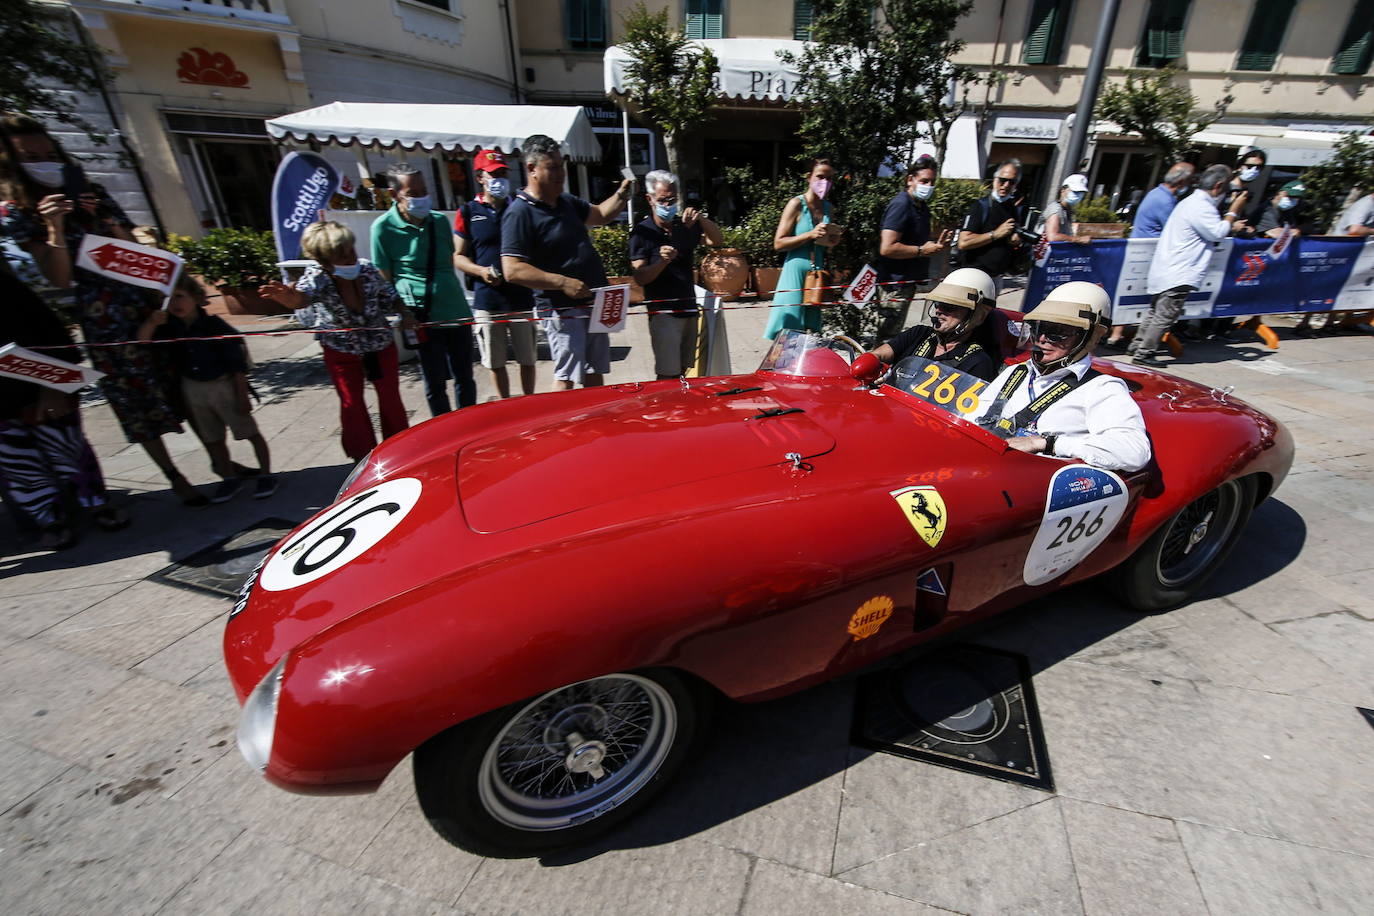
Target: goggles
(1057, 334)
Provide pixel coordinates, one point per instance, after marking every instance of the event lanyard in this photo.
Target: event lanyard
(1032, 411)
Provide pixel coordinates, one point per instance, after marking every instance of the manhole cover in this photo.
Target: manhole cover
(220, 569)
(964, 707)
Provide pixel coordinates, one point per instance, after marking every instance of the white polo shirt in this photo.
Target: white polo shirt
(1185, 245)
(1098, 422)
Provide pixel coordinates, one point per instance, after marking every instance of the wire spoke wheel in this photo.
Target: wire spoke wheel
(1197, 535)
(577, 752)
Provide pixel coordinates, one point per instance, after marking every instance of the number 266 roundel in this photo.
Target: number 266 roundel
(340, 535)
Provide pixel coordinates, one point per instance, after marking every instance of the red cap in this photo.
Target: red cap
(488, 160)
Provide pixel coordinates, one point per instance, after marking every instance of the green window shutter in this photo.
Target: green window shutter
(586, 23)
(1260, 49)
(1354, 52)
(801, 20)
(1164, 30)
(1045, 35)
(705, 18)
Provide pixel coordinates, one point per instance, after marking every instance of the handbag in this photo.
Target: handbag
(816, 287)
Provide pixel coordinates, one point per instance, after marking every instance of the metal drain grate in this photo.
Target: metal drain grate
(221, 568)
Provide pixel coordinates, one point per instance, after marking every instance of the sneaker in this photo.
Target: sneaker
(1147, 361)
(264, 486)
(226, 490)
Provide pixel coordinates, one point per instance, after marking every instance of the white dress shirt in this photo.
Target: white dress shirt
(1184, 247)
(1098, 421)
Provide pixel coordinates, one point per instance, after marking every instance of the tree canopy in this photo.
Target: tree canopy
(43, 65)
(1165, 115)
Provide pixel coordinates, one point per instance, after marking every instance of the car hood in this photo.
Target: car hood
(573, 461)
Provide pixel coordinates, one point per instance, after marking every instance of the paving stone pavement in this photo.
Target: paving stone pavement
(1207, 760)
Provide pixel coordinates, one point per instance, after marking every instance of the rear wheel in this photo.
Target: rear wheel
(1178, 558)
(559, 768)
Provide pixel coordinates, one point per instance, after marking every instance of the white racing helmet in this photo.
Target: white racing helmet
(1076, 305)
(967, 287)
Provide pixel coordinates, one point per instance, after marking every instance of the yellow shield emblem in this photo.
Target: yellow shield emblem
(925, 510)
(871, 615)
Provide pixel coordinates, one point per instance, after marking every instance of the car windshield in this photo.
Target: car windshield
(799, 353)
(937, 383)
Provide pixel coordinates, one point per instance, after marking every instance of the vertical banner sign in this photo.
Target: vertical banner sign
(129, 262)
(863, 287)
(28, 366)
(302, 187)
(609, 308)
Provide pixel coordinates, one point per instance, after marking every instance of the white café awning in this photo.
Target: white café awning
(465, 128)
(749, 68)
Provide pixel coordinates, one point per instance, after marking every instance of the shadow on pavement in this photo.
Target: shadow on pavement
(759, 754)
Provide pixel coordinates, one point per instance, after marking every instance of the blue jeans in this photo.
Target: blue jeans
(447, 354)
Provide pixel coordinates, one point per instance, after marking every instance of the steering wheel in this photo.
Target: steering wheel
(855, 349)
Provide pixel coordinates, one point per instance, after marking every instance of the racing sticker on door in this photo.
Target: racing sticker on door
(924, 508)
(1083, 506)
(340, 535)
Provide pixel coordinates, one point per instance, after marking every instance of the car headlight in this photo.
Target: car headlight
(258, 721)
(353, 475)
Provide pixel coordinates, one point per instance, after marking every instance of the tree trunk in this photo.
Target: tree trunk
(670, 144)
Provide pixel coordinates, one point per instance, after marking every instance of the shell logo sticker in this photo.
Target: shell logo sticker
(924, 508)
(871, 615)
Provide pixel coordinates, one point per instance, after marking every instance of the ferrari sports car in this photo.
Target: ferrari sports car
(541, 598)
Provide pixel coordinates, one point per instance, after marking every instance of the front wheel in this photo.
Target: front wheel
(1172, 565)
(560, 768)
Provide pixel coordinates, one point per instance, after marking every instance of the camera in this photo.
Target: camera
(1024, 231)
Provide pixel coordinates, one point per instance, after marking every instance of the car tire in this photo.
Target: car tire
(522, 780)
(1176, 560)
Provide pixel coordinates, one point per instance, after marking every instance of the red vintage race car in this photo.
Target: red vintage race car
(540, 597)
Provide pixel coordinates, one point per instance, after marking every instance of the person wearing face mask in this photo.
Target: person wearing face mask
(662, 251)
(1248, 180)
(349, 301)
(37, 183)
(905, 245)
(413, 247)
(1181, 256)
(477, 253)
(954, 314)
(1287, 210)
(1055, 404)
(1150, 218)
(805, 233)
(1058, 216)
(988, 238)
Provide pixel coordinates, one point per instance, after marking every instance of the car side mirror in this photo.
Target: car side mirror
(867, 368)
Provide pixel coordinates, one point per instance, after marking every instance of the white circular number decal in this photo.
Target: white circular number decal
(340, 535)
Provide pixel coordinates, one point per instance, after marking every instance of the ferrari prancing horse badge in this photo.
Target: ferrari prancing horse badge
(925, 510)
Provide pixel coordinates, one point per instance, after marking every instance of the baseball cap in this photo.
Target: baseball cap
(1076, 183)
(1295, 188)
(488, 160)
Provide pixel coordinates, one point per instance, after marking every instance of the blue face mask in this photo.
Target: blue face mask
(1073, 198)
(418, 207)
(1000, 197)
(1287, 203)
(1249, 173)
(924, 191)
(498, 188)
(347, 271)
(665, 211)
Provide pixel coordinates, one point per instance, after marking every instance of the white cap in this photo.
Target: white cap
(1077, 182)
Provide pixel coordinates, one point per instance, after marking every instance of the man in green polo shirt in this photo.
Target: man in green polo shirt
(413, 248)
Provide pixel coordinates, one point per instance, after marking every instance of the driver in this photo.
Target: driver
(1056, 404)
(953, 312)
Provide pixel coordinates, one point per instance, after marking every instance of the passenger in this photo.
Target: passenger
(954, 312)
(1056, 404)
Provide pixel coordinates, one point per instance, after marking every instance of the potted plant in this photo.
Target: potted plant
(1096, 219)
(612, 243)
(237, 262)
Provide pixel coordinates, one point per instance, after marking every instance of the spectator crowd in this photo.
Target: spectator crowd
(523, 246)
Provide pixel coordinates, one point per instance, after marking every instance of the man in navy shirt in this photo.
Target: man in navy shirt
(905, 245)
(545, 247)
(662, 250)
(477, 253)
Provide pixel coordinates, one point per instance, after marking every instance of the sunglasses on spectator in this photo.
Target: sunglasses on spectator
(1054, 333)
(1001, 180)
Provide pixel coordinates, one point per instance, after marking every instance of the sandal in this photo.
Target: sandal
(57, 536)
(108, 518)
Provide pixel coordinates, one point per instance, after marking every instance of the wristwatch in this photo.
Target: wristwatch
(1050, 439)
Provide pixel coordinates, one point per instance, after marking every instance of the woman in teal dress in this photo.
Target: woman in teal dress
(805, 222)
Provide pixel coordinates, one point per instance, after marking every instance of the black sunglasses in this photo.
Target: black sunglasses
(1054, 333)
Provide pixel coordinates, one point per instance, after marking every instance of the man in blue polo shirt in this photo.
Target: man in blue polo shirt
(662, 249)
(413, 248)
(1154, 210)
(545, 246)
(905, 245)
(477, 253)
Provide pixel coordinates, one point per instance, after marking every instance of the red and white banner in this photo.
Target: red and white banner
(609, 308)
(128, 262)
(862, 288)
(28, 366)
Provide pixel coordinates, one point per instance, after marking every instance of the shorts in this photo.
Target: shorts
(576, 352)
(212, 406)
(674, 339)
(492, 338)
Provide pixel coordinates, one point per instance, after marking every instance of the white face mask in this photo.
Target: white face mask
(498, 188)
(347, 271)
(48, 174)
(923, 191)
(1249, 173)
(418, 207)
(1073, 198)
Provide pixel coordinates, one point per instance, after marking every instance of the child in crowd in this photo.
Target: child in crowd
(214, 384)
